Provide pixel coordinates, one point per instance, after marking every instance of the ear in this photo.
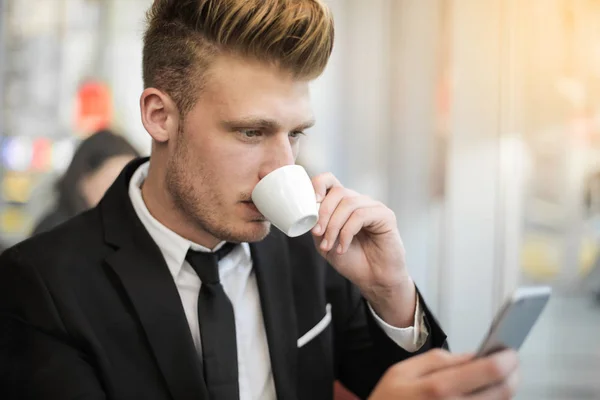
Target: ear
(160, 115)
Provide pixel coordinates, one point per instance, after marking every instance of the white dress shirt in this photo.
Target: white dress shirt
(239, 282)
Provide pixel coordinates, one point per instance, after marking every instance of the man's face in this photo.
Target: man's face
(247, 122)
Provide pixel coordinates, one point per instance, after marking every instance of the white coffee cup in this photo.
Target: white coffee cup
(287, 199)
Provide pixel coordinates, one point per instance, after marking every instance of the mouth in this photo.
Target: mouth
(250, 206)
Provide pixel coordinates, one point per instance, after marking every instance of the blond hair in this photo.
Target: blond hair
(183, 36)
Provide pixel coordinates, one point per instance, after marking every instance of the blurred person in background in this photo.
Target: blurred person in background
(176, 287)
(96, 164)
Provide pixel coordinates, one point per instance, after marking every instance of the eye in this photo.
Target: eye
(296, 134)
(250, 133)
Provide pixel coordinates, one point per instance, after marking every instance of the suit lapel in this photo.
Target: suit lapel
(141, 268)
(271, 262)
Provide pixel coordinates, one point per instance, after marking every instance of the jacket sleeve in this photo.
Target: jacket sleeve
(38, 358)
(363, 352)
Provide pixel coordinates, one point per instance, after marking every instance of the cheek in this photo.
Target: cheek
(243, 162)
(237, 176)
(226, 164)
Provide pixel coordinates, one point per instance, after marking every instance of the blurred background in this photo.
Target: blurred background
(476, 121)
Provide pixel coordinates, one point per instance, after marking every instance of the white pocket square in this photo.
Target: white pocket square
(318, 328)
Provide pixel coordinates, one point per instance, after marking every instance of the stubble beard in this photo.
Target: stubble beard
(201, 206)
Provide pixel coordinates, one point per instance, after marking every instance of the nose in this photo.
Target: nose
(279, 153)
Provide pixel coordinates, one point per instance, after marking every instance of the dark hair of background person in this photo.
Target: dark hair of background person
(90, 155)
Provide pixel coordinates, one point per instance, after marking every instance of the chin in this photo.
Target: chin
(259, 231)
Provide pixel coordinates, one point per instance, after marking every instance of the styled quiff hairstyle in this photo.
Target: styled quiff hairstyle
(184, 36)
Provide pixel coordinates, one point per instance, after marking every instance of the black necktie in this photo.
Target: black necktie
(217, 326)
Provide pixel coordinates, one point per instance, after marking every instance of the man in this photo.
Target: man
(126, 301)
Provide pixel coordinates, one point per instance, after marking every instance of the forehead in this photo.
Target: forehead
(237, 86)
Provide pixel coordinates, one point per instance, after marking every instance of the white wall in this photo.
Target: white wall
(351, 99)
(415, 64)
(481, 202)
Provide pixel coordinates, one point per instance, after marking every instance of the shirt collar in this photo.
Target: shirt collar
(173, 246)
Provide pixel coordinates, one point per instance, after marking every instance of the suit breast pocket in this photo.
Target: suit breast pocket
(315, 356)
(316, 330)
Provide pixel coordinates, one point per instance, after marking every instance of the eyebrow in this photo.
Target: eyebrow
(264, 123)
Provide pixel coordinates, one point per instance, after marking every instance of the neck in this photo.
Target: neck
(162, 207)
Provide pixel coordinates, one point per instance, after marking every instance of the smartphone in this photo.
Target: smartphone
(514, 320)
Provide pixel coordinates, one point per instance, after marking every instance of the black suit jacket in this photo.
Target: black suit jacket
(89, 310)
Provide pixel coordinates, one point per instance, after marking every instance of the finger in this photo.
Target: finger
(504, 390)
(360, 218)
(341, 215)
(480, 373)
(327, 207)
(429, 362)
(322, 183)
